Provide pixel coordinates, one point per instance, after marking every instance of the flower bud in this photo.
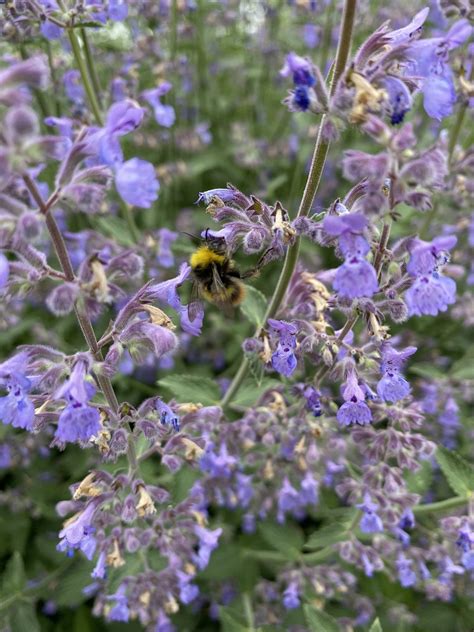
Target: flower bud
(253, 240)
(61, 300)
(20, 125)
(29, 225)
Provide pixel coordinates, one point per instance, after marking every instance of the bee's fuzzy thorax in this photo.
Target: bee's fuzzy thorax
(204, 256)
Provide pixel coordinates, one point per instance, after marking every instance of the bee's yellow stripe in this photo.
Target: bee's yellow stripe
(204, 256)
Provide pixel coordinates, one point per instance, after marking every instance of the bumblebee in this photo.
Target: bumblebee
(216, 277)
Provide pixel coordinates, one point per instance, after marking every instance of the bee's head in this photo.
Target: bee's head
(215, 243)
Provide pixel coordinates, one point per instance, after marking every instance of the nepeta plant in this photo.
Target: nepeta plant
(269, 480)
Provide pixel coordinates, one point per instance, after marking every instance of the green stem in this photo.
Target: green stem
(129, 218)
(441, 505)
(247, 603)
(90, 65)
(318, 161)
(86, 80)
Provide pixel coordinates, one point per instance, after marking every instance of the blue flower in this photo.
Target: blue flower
(120, 610)
(371, 522)
(430, 294)
(118, 10)
(77, 531)
(399, 99)
(164, 114)
(291, 596)
(136, 183)
(356, 278)
(207, 543)
(301, 70)
(354, 410)
(15, 407)
(284, 360)
(218, 464)
(167, 416)
(78, 421)
(406, 574)
(187, 591)
(430, 58)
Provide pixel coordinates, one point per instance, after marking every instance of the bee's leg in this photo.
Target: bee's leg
(255, 271)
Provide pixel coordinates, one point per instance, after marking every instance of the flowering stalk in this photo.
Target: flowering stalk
(318, 161)
(81, 315)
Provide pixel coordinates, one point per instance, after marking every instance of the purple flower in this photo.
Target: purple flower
(100, 567)
(393, 386)
(217, 464)
(167, 416)
(207, 543)
(120, 610)
(371, 522)
(410, 31)
(426, 257)
(430, 59)
(291, 595)
(78, 421)
(167, 292)
(310, 35)
(164, 114)
(354, 410)
(187, 591)
(299, 69)
(356, 278)
(165, 255)
(136, 183)
(288, 500)
(226, 195)
(78, 529)
(15, 407)
(118, 10)
(73, 86)
(430, 294)
(283, 359)
(122, 118)
(406, 574)
(399, 99)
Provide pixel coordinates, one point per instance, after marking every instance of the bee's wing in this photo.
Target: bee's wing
(195, 303)
(218, 286)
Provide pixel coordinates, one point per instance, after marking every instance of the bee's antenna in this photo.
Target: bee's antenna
(194, 237)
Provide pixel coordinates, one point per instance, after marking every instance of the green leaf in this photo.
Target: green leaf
(376, 627)
(459, 473)
(251, 391)
(319, 621)
(23, 618)
(329, 534)
(419, 482)
(14, 577)
(427, 369)
(230, 623)
(286, 538)
(116, 228)
(68, 591)
(114, 36)
(192, 388)
(254, 306)
(463, 369)
(88, 24)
